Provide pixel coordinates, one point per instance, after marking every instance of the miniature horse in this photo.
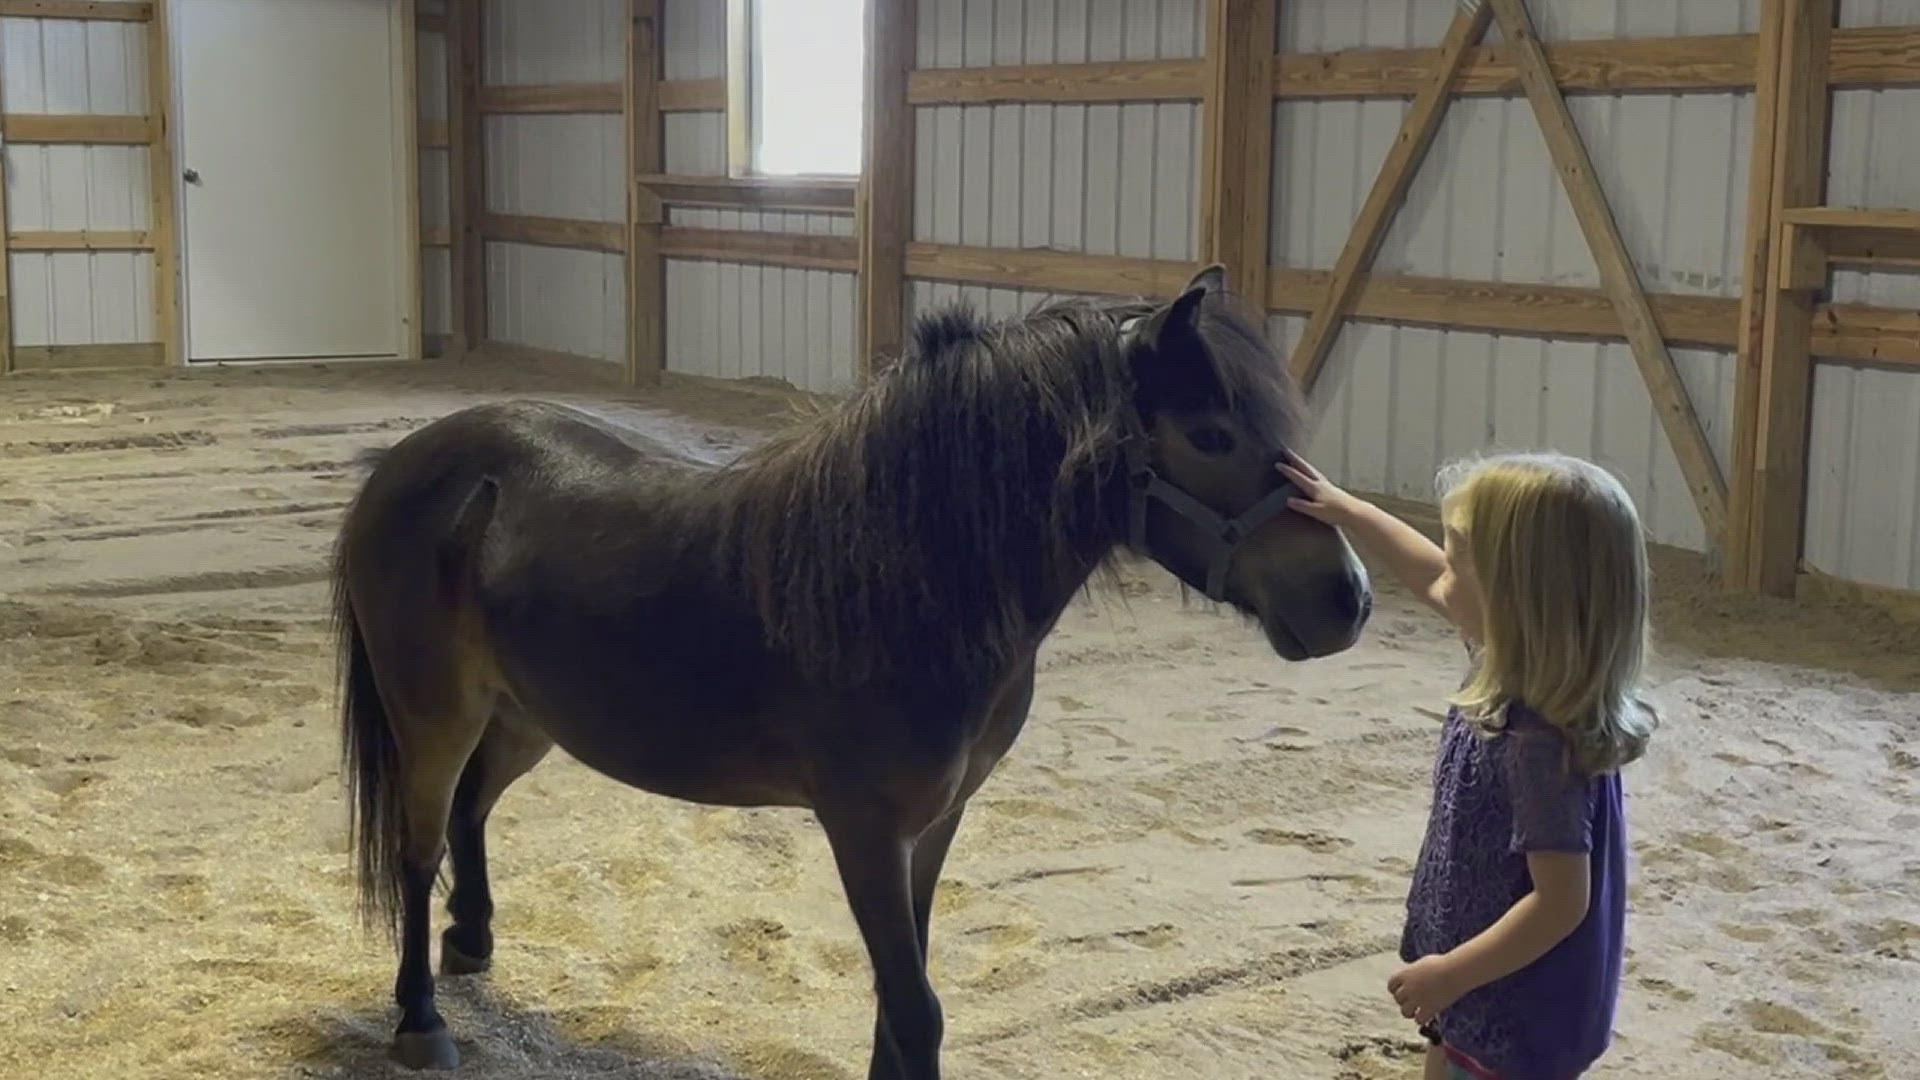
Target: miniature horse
(843, 619)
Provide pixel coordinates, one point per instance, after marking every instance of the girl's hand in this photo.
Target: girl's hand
(1425, 988)
(1319, 498)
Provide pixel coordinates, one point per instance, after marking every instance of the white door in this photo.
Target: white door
(293, 178)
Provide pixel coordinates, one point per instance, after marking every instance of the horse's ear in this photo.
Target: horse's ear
(1211, 279)
(1181, 318)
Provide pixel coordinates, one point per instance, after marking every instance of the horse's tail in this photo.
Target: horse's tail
(371, 760)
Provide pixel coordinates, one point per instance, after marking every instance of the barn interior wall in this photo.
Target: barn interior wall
(1487, 205)
(1863, 467)
(738, 320)
(556, 166)
(1118, 179)
(65, 66)
(436, 186)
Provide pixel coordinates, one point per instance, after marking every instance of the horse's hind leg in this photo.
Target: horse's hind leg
(506, 752)
(429, 777)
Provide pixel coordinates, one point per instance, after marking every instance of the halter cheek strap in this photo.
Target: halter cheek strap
(1224, 535)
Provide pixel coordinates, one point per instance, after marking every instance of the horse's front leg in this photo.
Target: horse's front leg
(929, 855)
(877, 868)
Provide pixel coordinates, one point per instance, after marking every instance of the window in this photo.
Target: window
(806, 61)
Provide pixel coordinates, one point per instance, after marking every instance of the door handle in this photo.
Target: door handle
(191, 176)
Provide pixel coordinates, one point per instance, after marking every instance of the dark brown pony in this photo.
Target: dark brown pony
(844, 619)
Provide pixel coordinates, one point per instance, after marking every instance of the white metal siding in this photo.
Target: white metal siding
(436, 186)
(1117, 179)
(565, 166)
(1863, 466)
(695, 47)
(731, 320)
(1395, 403)
(77, 297)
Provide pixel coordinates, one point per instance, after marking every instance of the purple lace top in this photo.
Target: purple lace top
(1494, 800)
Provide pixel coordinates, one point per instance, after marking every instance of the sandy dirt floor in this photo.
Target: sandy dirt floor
(1192, 865)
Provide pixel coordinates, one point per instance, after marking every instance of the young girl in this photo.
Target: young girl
(1513, 942)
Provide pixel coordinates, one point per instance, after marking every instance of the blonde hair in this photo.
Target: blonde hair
(1558, 549)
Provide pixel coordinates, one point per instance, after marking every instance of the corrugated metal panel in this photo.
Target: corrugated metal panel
(695, 45)
(1486, 204)
(557, 298)
(927, 296)
(539, 41)
(1879, 12)
(695, 48)
(566, 166)
(1863, 498)
(436, 267)
(77, 298)
(556, 166)
(728, 320)
(1104, 179)
(969, 33)
(762, 221)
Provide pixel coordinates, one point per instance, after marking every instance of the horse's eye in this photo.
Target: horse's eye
(1210, 440)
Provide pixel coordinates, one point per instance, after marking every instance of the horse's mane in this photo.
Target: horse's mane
(916, 532)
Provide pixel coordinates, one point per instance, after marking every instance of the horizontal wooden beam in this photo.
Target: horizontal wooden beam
(554, 232)
(1873, 56)
(1858, 56)
(1506, 307)
(434, 135)
(75, 9)
(1847, 332)
(83, 240)
(1840, 217)
(1104, 81)
(1886, 250)
(1869, 335)
(77, 128)
(113, 355)
(1817, 237)
(802, 250)
(754, 192)
(1679, 63)
(552, 98)
(1046, 269)
(692, 95)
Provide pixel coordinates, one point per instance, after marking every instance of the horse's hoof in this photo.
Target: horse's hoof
(425, 1049)
(455, 962)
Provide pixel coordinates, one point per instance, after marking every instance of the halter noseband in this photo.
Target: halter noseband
(1224, 536)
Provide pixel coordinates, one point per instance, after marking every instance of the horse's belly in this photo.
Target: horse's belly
(684, 742)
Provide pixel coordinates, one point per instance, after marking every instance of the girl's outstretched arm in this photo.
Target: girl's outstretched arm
(1383, 539)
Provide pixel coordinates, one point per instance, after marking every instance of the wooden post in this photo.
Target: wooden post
(1774, 520)
(1617, 275)
(646, 298)
(1389, 191)
(1236, 194)
(739, 80)
(414, 348)
(466, 179)
(885, 208)
(6, 257)
(1756, 269)
(164, 182)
